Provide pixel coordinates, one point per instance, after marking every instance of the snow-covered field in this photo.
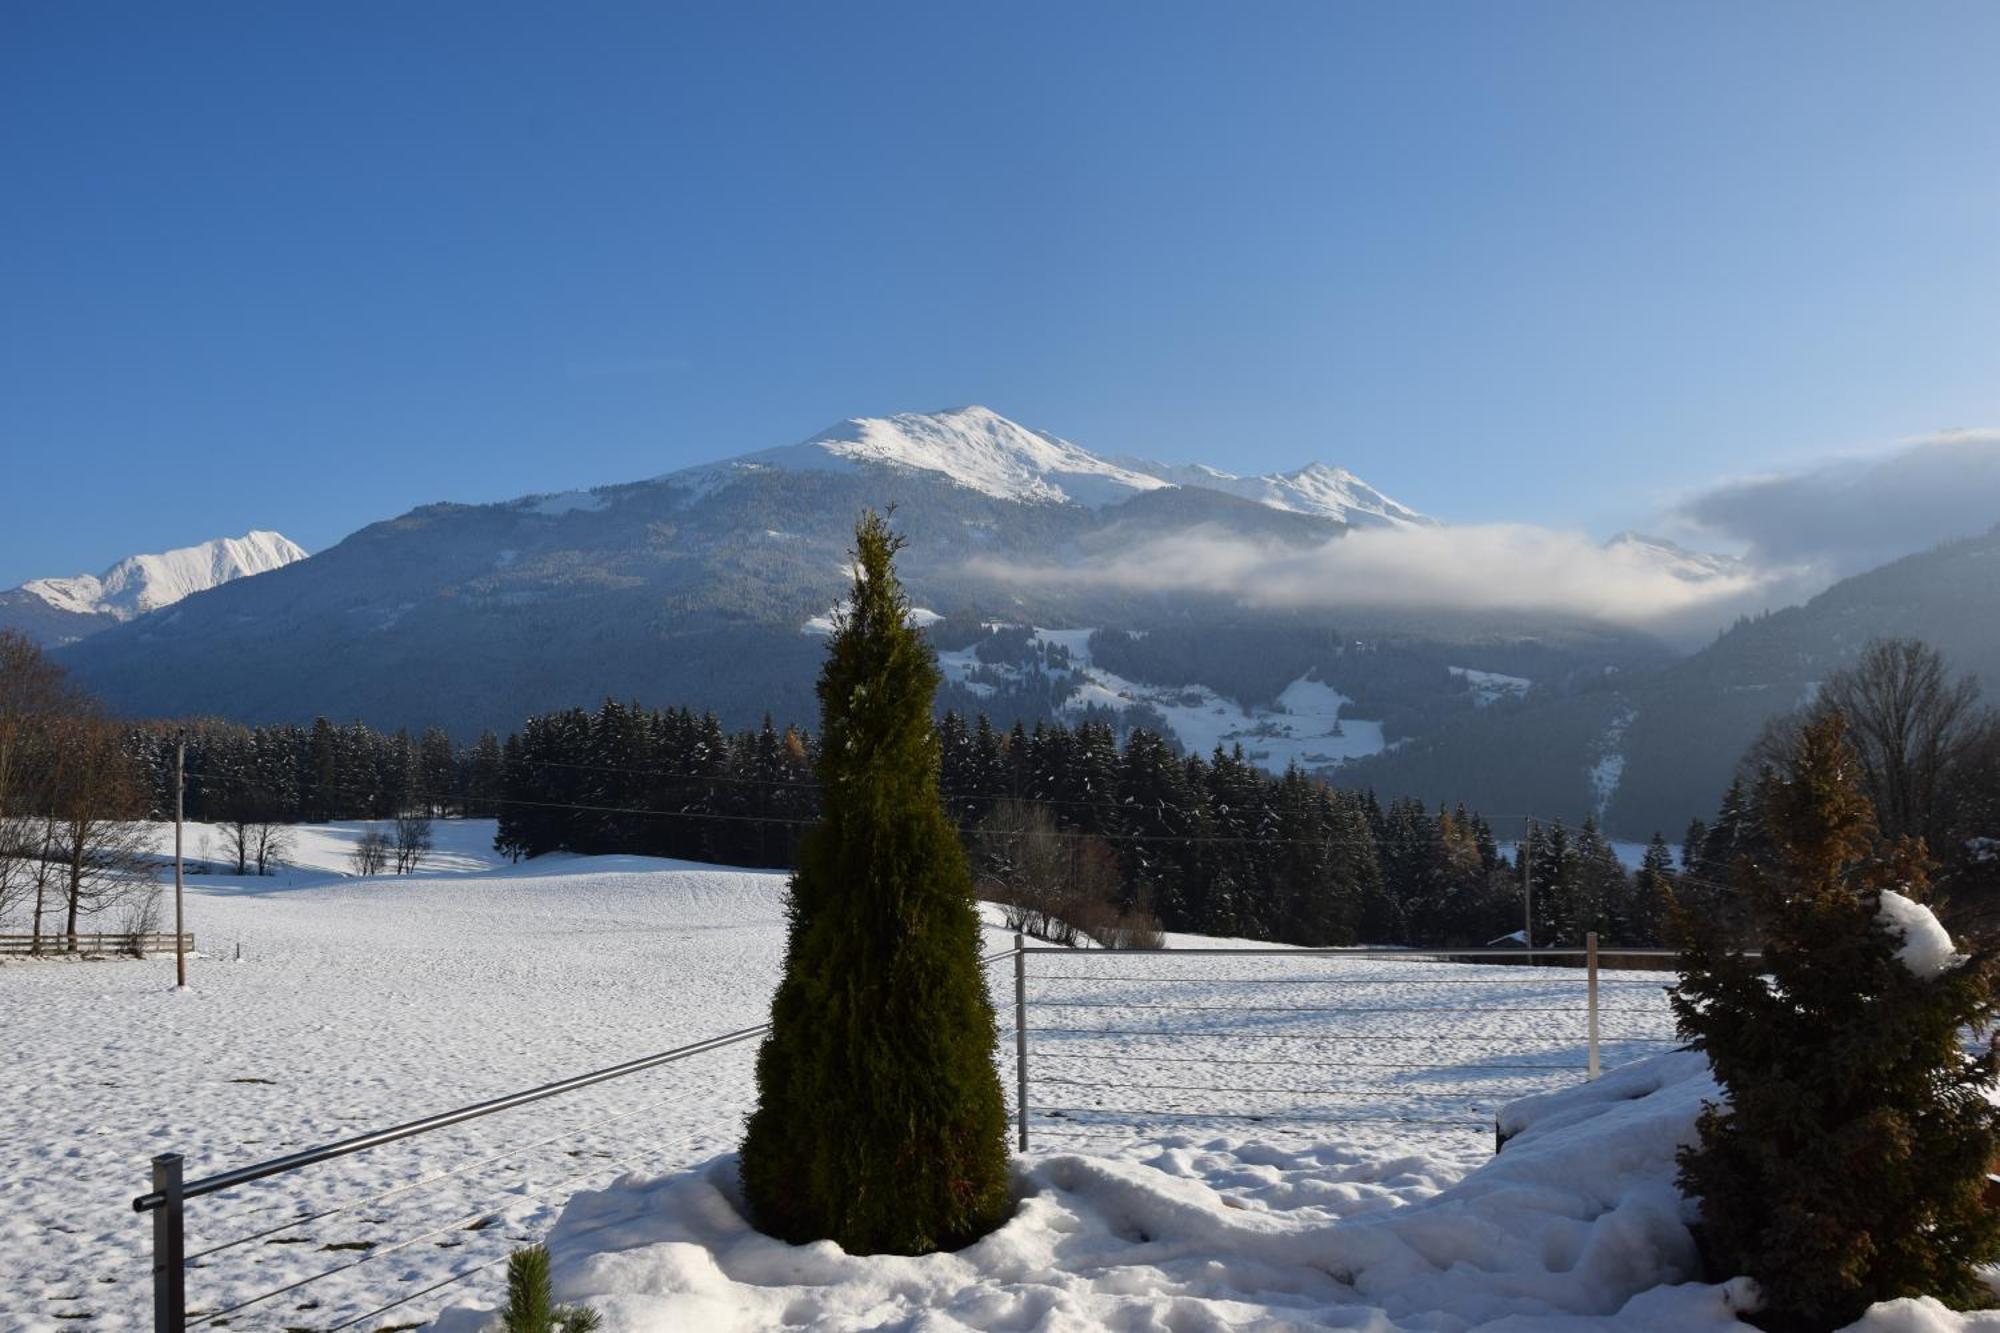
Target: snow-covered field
(359, 1004)
(1575, 1228)
(1217, 1142)
(317, 851)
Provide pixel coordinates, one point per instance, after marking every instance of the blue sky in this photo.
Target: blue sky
(303, 267)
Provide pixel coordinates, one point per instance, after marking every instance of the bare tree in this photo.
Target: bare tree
(236, 844)
(370, 855)
(1096, 886)
(33, 694)
(97, 800)
(17, 862)
(413, 840)
(269, 844)
(252, 832)
(47, 875)
(1058, 886)
(1020, 865)
(140, 917)
(32, 691)
(1912, 725)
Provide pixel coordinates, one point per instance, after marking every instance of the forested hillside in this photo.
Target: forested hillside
(1646, 751)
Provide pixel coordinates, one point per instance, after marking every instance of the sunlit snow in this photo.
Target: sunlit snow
(1307, 727)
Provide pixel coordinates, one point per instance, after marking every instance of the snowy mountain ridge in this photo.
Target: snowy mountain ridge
(1319, 489)
(1684, 564)
(979, 449)
(141, 583)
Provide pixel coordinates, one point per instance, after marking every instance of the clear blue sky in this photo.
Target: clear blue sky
(303, 267)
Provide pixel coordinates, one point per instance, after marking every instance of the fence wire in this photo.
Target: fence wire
(496, 1199)
(1121, 1046)
(1127, 1044)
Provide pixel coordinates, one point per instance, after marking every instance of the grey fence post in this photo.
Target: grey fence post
(1590, 966)
(169, 1247)
(1021, 1036)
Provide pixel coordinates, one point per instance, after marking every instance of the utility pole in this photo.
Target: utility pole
(1528, 885)
(180, 929)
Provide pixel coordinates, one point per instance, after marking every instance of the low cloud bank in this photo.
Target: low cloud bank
(1492, 567)
(1849, 514)
(1799, 531)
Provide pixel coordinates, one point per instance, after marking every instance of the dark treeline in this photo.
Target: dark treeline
(292, 774)
(633, 780)
(1210, 845)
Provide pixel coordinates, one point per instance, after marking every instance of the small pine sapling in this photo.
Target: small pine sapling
(531, 1306)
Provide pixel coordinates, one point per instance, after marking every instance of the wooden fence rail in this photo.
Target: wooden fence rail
(93, 942)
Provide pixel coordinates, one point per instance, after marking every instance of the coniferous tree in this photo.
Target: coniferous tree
(1652, 889)
(1850, 1163)
(1603, 891)
(485, 777)
(531, 1306)
(879, 1122)
(1554, 866)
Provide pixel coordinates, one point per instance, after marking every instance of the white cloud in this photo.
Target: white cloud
(1853, 513)
(1800, 531)
(1494, 568)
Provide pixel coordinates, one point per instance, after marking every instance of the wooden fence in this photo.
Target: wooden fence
(97, 942)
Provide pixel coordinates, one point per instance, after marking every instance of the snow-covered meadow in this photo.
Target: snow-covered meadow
(1262, 1142)
(359, 1004)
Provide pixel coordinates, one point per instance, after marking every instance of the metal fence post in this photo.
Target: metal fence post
(169, 1248)
(1590, 966)
(1021, 1035)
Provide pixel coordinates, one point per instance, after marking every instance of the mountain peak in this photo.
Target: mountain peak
(1319, 489)
(141, 583)
(978, 448)
(971, 446)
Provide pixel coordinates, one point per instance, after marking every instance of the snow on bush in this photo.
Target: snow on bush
(1927, 948)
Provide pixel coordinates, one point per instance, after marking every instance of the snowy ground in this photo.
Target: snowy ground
(317, 851)
(362, 1003)
(1268, 1142)
(358, 1004)
(1489, 687)
(1307, 727)
(1574, 1228)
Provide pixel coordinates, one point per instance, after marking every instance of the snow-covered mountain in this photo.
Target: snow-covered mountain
(1688, 566)
(1317, 488)
(979, 449)
(64, 609)
(691, 588)
(975, 447)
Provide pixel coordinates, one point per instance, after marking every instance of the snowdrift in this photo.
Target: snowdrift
(1575, 1226)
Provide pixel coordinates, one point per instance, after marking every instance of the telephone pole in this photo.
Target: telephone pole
(180, 930)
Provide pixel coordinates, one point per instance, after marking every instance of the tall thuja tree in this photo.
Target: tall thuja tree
(879, 1122)
(1849, 1164)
